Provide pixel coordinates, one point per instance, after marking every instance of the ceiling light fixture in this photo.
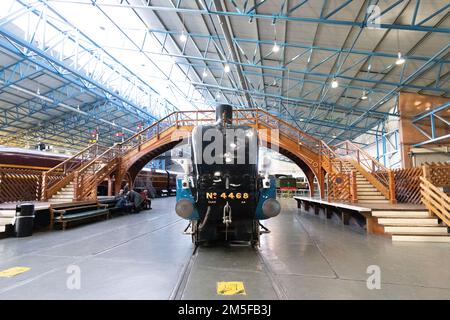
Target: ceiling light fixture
(226, 68)
(334, 84)
(364, 96)
(400, 60)
(183, 37)
(275, 47)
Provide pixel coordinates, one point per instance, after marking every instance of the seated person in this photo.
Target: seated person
(147, 200)
(121, 199)
(136, 201)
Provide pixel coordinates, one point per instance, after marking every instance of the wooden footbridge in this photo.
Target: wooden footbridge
(344, 173)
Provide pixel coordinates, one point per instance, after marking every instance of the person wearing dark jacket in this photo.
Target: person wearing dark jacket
(136, 200)
(147, 200)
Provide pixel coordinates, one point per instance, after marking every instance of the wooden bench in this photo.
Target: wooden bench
(343, 210)
(73, 211)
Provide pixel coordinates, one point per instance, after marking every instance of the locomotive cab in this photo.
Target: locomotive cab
(224, 196)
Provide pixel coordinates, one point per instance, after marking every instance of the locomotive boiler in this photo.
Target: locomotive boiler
(223, 194)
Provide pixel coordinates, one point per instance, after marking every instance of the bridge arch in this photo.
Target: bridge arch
(135, 160)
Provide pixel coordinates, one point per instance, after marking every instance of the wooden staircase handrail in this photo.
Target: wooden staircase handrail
(96, 159)
(243, 112)
(179, 118)
(58, 166)
(436, 201)
(61, 173)
(362, 151)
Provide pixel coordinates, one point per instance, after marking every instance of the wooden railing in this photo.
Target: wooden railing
(379, 176)
(435, 200)
(331, 161)
(407, 181)
(339, 187)
(59, 176)
(407, 185)
(253, 117)
(87, 177)
(17, 184)
(93, 172)
(341, 183)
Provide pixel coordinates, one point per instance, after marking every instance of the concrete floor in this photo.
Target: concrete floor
(143, 256)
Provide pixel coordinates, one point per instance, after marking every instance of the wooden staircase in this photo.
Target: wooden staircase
(59, 180)
(65, 194)
(354, 176)
(412, 225)
(366, 192)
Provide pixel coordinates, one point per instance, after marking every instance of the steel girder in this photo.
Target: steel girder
(247, 12)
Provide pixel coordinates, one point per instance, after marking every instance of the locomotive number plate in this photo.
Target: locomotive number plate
(225, 195)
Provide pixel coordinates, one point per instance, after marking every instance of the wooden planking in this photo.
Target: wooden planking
(339, 187)
(436, 201)
(407, 181)
(407, 185)
(18, 184)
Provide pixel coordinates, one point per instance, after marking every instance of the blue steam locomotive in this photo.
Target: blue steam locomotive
(223, 195)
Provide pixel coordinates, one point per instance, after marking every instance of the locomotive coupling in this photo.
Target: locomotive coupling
(227, 214)
(271, 208)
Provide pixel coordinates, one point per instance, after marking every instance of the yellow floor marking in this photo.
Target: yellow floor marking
(11, 272)
(230, 288)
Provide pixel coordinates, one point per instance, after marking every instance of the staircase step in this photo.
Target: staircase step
(421, 238)
(7, 213)
(69, 195)
(400, 214)
(5, 221)
(65, 192)
(408, 221)
(369, 193)
(60, 200)
(415, 230)
(63, 196)
(371, 197)
(373, 201)
(366, 189)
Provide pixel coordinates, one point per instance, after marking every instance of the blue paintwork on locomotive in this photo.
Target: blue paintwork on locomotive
(186, 193)
(265, 194)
